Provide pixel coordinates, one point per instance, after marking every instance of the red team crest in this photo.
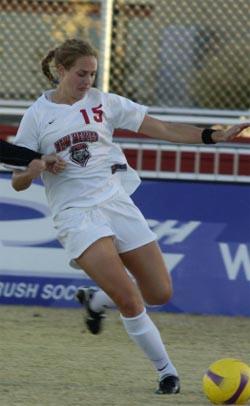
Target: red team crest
(80, 154)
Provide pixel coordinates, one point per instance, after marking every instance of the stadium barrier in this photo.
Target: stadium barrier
(202, 229)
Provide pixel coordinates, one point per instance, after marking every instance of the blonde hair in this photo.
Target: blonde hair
(66, 55)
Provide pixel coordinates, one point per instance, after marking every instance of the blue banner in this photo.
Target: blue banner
(203, 230)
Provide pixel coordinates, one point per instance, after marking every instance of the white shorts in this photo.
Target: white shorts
(78, 228)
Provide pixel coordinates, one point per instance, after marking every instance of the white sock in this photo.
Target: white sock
(146, 335)
(100, 301)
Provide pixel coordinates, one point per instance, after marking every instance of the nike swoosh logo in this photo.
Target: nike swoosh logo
(52, 121)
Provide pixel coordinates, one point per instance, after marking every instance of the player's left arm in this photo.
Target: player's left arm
(187, 134)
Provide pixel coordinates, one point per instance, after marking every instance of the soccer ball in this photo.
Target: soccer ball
(227, 382)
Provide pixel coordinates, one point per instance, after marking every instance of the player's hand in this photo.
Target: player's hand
(231, 134)
(35, 168)
(54, 163)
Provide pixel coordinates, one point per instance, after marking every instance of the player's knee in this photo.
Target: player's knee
(161, 296)
(129, 306)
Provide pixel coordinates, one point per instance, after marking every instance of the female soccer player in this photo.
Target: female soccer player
(98, 224)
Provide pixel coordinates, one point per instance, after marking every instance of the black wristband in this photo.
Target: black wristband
(206, 136)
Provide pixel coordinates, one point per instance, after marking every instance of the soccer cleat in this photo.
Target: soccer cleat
(170, 384)
(93, 319)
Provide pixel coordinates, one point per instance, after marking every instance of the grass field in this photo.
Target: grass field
(49, 359)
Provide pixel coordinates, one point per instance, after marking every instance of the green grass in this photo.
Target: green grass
(49, 359)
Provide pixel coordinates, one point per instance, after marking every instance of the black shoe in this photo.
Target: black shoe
(94, 319)
(168, 385)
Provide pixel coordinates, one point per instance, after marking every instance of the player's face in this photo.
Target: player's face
(79, 78)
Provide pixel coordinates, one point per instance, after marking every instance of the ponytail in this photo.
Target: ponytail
(46, 66)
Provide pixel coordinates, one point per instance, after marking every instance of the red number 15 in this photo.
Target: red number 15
(97, 114)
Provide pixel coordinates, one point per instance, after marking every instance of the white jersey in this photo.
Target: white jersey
(82, 135)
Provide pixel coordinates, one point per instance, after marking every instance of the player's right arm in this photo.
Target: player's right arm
(28, 137)
(21, 180)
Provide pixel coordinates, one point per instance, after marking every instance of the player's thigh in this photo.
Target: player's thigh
(147, 265)
(103, 264)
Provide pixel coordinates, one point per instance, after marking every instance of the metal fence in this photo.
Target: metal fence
(171, 53)
(182, 53)
(29, 29)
